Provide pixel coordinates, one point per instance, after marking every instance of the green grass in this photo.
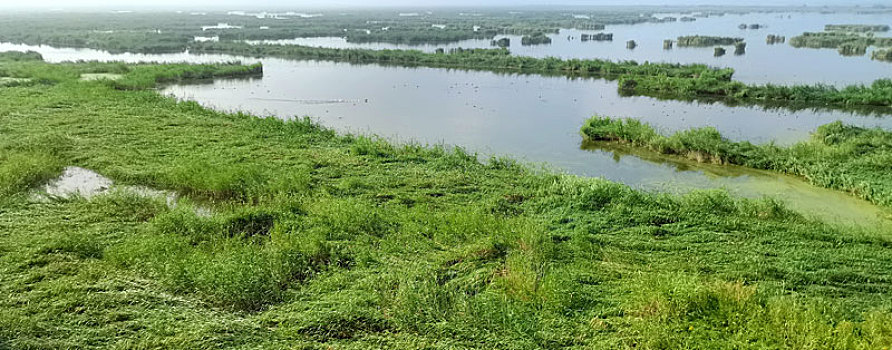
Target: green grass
(320, 240)
(706, 41)
(877, 95)
(143, 77)
(882, 55)
(847, 158)
(836, 39)
(858, 28)
(478, 59)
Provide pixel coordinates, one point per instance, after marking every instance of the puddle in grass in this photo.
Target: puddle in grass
(7, 81)
(76, 181)
(81, 182)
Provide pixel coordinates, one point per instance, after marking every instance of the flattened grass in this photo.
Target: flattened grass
(351, 242)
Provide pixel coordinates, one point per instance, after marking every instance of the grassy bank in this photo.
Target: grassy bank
(29, 66)
(878, 94)
(320, 240)
(847, 158)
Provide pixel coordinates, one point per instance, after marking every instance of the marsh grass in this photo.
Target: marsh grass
(842, 157)
(320, 240)
(877, 94)
(20, 171)
(149, 76)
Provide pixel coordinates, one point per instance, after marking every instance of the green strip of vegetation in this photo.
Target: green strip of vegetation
(833, 40)
(847, 158)
(17, 56)
(878, 94)
(20, 68)
(321, 240)
(856, 28)
(482, 59)
(706, 41)
(143, 77)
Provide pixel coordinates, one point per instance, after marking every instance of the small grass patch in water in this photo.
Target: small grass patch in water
(847, 158)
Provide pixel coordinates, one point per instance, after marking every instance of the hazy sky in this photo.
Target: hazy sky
(414, 3)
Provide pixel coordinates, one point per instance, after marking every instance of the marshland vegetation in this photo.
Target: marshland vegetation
(319, 239)
(878, 93)
(837, 156)
(176, 32)
(539, 38)
(597, 37)
(706, 41)
(856, 28)
(849, 39)
(772, 39)
(882, 55)
(832, 40)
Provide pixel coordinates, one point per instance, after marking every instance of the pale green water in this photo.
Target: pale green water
(800, 196)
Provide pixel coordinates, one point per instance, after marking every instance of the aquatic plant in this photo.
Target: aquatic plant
(882, 55)
(535, 39)
(706, 41)
(856, 28)
(597, 37)
(835, 40)
(841, 157)
(772, 39)
(503, 42)
(878, 94)
(484, 59)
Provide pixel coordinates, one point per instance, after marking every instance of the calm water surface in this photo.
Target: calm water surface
(762, 63)
(533, 118)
